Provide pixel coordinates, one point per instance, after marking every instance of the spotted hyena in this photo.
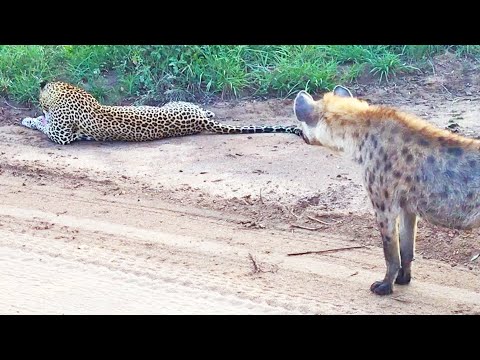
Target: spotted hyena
(411, 169)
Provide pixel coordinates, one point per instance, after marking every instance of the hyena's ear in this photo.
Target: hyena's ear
(342, 91)
(304, 108)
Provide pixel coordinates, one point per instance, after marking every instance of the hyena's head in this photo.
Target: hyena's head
(324, 121)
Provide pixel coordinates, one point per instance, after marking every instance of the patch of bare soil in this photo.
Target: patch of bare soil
(205, 223)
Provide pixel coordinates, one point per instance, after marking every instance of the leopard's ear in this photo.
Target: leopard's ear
(304, 108)
(342, 91)
(42, 84)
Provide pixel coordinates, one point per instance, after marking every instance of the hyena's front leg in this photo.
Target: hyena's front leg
(408, 231)
(389, 231)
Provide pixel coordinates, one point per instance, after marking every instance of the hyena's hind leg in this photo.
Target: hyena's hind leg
(389, 231)
(407, 232)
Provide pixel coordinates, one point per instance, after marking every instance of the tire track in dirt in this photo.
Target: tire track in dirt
(31, 286)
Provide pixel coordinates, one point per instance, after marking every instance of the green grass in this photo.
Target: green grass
(155, 74)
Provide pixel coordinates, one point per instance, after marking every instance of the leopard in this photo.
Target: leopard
(411, 170)
(71, 113)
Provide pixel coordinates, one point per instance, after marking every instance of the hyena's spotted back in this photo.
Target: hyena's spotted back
(411, 168)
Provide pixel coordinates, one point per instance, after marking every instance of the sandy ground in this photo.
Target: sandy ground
(204, 224)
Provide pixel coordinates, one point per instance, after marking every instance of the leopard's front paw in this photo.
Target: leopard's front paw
(30, 123)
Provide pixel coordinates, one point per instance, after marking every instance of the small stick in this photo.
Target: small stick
(446, 89)
(433, 67)
(401, 300)
(322, 222)
(261, 200)
(338, 214)
(291, 212)
(326, 251)
(306, 228)
(256, 269)
(14, 107)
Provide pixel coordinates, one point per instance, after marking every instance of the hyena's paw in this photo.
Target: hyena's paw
(30, 123)
(381, 288)
(403, 278)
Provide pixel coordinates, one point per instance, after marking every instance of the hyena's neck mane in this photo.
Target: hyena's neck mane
(351, 119)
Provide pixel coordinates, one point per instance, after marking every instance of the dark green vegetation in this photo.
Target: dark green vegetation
(153, 74)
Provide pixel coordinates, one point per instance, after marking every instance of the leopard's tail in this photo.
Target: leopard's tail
(219, 128)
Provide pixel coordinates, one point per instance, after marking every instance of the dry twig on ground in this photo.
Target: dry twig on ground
(306, 227)
(326, 251)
